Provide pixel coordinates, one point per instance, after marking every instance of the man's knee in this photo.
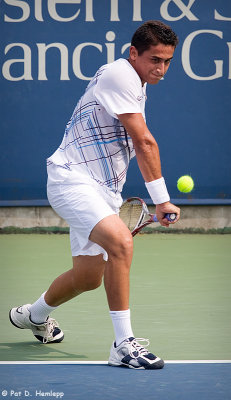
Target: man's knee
(114, 237)
(121, 246)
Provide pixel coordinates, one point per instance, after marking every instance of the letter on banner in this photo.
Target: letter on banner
(26, 61)
(229, 46)
(179, 3)
(110, 36)
(220, 17)
(77, 56)
(42, 48)
(21, 4)
(53, 13)
(186, 56)
(136, 10)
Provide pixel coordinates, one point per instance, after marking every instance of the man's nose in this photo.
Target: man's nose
(160, 68)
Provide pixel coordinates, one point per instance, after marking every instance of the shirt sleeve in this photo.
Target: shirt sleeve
(119, 91)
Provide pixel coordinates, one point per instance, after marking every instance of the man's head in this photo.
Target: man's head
(152, 48)
(151, 33)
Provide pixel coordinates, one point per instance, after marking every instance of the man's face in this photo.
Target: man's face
(153, 63)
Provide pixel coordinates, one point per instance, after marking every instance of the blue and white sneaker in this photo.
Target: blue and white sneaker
(47, 332)
(130, 353)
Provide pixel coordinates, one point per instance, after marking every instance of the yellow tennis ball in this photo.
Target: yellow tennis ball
(185, 184)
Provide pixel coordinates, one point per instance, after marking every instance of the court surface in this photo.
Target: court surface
(100, 382)
(180, 300)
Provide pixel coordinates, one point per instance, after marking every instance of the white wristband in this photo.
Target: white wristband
(158, 191)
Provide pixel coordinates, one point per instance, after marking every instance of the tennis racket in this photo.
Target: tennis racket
(135, 214)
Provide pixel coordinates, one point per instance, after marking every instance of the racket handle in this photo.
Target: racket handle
(168, 216)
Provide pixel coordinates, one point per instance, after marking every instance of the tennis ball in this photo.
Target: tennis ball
(185, 184)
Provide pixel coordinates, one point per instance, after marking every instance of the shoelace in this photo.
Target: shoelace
(50, 325)
(135, 346)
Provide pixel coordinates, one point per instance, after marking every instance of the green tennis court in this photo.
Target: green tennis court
(180, 298)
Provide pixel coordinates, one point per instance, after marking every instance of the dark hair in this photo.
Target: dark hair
(151, 33)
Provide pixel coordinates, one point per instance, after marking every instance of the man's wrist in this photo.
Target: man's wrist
(158, 191)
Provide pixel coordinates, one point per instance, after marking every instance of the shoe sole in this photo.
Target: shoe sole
(40, 338)
(158, 365)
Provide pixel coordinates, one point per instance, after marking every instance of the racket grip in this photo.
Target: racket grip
(168, 216)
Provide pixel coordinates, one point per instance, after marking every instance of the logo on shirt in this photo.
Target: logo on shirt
(139, 98)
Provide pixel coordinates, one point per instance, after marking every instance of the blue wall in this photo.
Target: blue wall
(189, 112)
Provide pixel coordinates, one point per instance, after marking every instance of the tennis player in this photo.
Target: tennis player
(86, 175)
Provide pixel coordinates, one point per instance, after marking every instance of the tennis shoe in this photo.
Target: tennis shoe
(130, 353)
(47, 332)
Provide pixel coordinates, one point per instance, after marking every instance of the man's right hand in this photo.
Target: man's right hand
(167, 208)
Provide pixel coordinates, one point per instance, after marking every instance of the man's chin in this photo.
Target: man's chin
(154, 81)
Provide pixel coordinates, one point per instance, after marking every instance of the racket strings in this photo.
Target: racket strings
(132, 214)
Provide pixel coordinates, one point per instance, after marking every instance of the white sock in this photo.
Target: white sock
(122, 325)
(40, 310)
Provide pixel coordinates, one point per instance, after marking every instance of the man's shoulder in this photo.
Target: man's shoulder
(118, 73)
(115, 68)
(121, 64)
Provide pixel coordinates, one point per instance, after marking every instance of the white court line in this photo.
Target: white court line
(105, 362)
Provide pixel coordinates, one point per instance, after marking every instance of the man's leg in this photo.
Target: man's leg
(114, 237)
(111, 234)
(86, 274)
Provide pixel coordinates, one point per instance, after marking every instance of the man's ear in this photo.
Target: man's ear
(133, 53)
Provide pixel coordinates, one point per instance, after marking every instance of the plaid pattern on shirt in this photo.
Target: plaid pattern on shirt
(95, 142)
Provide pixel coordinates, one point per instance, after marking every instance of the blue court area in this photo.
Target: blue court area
(177, 381)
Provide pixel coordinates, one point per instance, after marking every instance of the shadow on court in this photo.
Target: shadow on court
(29, 351)
(101, 382)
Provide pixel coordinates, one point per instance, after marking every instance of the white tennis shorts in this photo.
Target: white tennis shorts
(82, 203)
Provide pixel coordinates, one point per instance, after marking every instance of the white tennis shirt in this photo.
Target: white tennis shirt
(95, 143)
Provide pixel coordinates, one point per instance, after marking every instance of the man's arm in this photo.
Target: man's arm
(147, 151)
(148, 158)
